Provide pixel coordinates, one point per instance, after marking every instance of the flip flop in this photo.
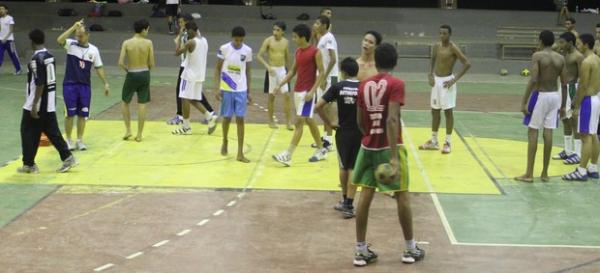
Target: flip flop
(524, 179)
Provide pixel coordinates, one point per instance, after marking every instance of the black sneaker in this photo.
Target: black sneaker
(347, 211)
(412, 256)
(363, 259)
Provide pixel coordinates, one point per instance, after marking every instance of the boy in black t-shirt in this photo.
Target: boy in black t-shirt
(348, 136)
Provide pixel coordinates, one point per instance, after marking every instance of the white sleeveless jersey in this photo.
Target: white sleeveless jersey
(195, 62)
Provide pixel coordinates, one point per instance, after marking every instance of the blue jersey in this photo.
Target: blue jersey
(80, 61)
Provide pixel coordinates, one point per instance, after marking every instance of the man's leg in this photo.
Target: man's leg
(327, 129)
(50, 128)
(531, 151)
(30, 129)
(405, 215)
(3, 47)
(432, 144)
(81, 122)
(586, 151)
(141, 121)
(362, 219)
(240, 135)
(547, 153)
(69, 128)
(271, 110)
(225, 125)
(287, 110)
(449, 113)
(314, 131)
(206, 105)
(127, 119)
(12, 52)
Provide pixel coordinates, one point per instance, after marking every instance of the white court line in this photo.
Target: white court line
(134, 255)
(104, 267)
(218, 212)
(230, 204)
(203, 222)
(161, 243)
(434, 197)
(184, 232)
(241, 195)
(527, 245)
(12, 89)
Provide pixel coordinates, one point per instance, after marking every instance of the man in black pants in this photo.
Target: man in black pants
(39, 109)
(178, 119)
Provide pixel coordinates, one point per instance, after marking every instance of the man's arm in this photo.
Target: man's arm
(329, 96)
(432, 64)
(102, 76)
(584, 82)
(122, 56)
(288, 77)
(151, 61)
(321, 77)
(332, 63)
(288, 56)
(392, 130)
(466, 64)
(533, 80)
(62, 39)
(263, 49)
(217, 76)
(249, 79)
(188, 47)
(564, 90)
(359, 121)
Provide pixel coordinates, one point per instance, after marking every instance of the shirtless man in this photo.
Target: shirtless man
(542, 102)
(443, 83)
(366, 61)
(277, 48)
(573, 59)
(139, 53)
(570, 26)
(587, 109)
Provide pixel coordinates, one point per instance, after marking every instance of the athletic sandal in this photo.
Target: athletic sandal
(430, 146)
(572, 160)
(562, 155)
(362, 259)
(524, 179)
(127, 137)
(593, 175)
(575, 176)
(413, 255)
(283, 158)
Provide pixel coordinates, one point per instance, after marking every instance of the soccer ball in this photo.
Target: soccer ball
(503, 72)
(525, 72)
(385, 173)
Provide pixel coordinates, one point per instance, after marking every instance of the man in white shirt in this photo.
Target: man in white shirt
(172, 10)
(7, 38)
(232, 86)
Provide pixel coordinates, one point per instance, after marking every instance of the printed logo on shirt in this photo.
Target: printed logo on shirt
(82, 64)
(243, 58)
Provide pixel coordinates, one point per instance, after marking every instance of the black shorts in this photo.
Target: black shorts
(171, 9)
(347, 143)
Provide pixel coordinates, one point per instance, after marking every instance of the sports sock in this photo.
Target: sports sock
(569, 144)
(449, 139)
(291, 149)
(327, 138)
(581, 170)
(361, 247)
(593, 168)
(207, 115)
(577, 143)
(411, 244)
(186, 122)
(434, 137)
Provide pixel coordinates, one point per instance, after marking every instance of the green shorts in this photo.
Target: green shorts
(137, 82)
(572, 89)
(367, 161)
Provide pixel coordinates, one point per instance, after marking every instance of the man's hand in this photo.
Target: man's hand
(277, 89)
(323, 86)
(431, 80)
(34, 112)
(395, 164)
(524, 109)
(309, 96)
(78, 24)
(249, 99)
(448, 84)
(271, 71)
(106, 89)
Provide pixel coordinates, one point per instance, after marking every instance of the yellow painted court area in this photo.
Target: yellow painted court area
(194, 161)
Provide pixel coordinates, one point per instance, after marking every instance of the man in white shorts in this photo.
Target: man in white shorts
(277, 48)
(192, 77)
(443, 83)
(586, 108)
(542, 102)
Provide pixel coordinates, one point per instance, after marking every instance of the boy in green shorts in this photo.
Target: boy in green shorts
(139, 53)
(378, 116)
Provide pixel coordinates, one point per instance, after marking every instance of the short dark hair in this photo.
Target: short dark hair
(191, 26)
(547, 37)
(4, 6)
(37, 36)
(140, 25)
(447, 27)
(280, 24)
(569, 37)
(377, 35)
(324, 20)
(186, 17)
(349, 66)
(587, 39)
(324, 9)
(302, 30)
(571, 19)
(386, 56)
(238, 32)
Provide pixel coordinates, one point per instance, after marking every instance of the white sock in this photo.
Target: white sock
(79, 140)
(577, 143)
(328, 138)
(291, 149)
(186, 122)
(449, 139)
(434, 137)
(180, 116)
(569, 144)
(411, 244)
(581, 170)
(593, 168)
(361, 247)
(207, 115)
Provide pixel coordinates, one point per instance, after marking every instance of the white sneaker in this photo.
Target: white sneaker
(81, 146)
(212, 124)
(28, 169)
(319, 155)
(284, 158)
(182, 131)
(70, 145)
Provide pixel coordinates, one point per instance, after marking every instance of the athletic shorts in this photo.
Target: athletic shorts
(441, 97)
(589, 115)
(367, 161)
(137, 82)
(543, 110)
(304, 108)
(331, 80)
(271, 81)
(77, 98)
(571, 90)
(171, 9)
(190, 90)
(347, 143)
(233, 103)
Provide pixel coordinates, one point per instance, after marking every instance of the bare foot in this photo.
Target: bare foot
(290, 127)
(138, 138)
(545, 178)
(272, 125)
(127, 136)
(242, 159)
(524, 178)
(224, 149)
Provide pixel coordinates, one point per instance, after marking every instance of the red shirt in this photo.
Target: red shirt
(306, 66)
(374, 95)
